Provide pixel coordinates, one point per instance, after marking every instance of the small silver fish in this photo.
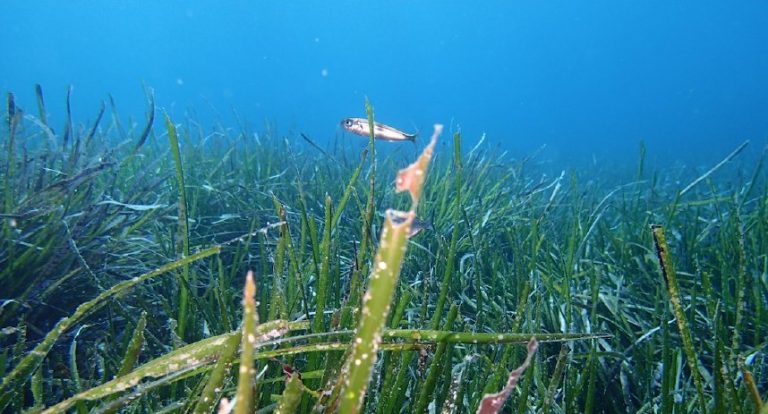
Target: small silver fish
(383, 132)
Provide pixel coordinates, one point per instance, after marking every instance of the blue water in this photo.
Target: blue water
(583, 78)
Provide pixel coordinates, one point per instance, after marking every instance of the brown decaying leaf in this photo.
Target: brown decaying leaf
(492, 403)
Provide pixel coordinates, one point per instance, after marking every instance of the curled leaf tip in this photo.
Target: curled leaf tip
(411, 178)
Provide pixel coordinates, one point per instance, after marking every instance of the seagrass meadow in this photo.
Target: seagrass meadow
(160, 265)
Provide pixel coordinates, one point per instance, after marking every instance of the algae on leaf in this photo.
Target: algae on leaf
(248, 342)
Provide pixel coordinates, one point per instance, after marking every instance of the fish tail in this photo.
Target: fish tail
(412, 137)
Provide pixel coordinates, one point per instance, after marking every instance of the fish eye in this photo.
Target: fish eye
(348, 122)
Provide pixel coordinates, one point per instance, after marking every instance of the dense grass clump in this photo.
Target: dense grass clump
(125, 248)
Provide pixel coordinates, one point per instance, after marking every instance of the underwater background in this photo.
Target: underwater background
(581, 224)
(591, 78)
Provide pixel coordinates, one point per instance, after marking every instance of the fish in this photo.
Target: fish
(417, 226)
(359, 126)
